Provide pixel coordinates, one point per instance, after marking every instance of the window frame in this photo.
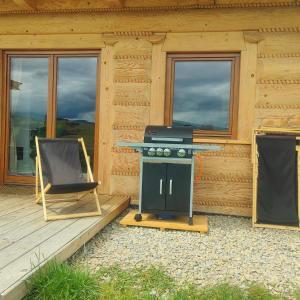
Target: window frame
(52, 56)
(234, 57)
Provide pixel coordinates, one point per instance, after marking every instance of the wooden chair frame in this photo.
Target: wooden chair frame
(254, 158)
(42, 195)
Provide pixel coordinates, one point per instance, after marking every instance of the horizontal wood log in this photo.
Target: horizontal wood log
(282, 95)
(279, 69)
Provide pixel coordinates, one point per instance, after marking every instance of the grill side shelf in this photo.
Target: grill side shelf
(195, 148)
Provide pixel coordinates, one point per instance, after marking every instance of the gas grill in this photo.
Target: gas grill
(167, 170)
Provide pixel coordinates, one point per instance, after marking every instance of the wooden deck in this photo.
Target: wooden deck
(27, 242)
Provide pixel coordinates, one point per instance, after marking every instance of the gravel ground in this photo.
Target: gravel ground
(232, 251)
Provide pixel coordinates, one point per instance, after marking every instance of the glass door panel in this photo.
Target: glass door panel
(76, 99)
(28, 98)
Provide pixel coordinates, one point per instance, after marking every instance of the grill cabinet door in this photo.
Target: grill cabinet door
(154, 186)
(178, 187)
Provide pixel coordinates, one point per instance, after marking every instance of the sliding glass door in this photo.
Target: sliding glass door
(48, 95)
(76, 94)
(28, 95)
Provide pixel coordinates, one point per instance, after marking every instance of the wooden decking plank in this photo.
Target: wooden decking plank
(19, 236)
(59, 246)
(36, 213)
(32, 212)
(29, 242)
(11, 199)
(15, 208)
(21, 213)
(9, 202)
(26, 219)
(5, 200)
(36, 224)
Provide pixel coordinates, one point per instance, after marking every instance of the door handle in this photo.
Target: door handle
(160, 186)
(171, 187)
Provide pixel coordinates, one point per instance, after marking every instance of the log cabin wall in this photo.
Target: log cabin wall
(134, 44)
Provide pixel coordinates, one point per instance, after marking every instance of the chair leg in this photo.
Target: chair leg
(97, 201)
(44, 205)
(37, 196)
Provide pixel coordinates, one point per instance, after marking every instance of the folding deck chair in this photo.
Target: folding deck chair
(59, 171)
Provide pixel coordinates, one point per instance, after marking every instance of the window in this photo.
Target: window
(202, 91)
(48, 94)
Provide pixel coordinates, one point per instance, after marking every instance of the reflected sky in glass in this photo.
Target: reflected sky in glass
(28, 110)
(29, 87)
(76, 100)
(202, 94)
(76, 88)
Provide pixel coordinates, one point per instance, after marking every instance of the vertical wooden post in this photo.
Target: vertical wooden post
(298, 152)
(2, 116)
(255, 177)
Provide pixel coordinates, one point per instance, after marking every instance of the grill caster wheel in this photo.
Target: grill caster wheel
(190, 220)
(138, 217)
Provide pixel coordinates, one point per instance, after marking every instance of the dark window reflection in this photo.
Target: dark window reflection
(76, 99)
(202, 94)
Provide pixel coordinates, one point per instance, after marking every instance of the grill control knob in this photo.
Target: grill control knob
(159, 152)
(151, 152)
(167, 152)
(181, 153)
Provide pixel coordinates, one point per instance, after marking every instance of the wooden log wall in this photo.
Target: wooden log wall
(133, 83)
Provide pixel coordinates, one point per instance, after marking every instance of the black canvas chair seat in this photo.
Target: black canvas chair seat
(71, 188)
(59, 171)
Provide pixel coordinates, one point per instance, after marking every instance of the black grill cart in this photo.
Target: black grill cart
(167, 170)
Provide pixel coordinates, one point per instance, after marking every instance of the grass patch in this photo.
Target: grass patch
(297, 294)
(139, 283)
(65, 282)
(258, 292)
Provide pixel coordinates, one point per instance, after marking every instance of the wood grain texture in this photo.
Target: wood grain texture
(212, 165)
(158, 83)
(200, 223)
(247, 91)
(285, 68)
(52, 41)
(276, 94)
(135, 115)
(105, 134)
(280, 42)
(175, 20)
(120, 6)
(124, 185)
(204, 41)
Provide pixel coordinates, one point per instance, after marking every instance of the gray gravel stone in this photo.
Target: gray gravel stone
(232, 251)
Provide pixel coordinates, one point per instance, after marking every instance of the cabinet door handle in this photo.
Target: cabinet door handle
(171, 187)
(160, 186)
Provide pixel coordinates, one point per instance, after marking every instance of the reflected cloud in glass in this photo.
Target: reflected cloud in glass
(202, 94)
(76, 99)
(28, 111)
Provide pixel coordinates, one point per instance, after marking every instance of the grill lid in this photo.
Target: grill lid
(165, 134)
